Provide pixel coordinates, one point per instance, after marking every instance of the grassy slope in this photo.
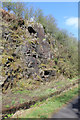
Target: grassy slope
(46, 108)
(18, 97)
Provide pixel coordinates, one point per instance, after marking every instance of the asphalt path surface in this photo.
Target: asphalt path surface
(71, 110)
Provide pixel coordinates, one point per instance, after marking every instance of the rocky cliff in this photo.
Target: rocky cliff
(29, 57)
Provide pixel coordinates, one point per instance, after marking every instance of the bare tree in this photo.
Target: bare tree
(7, 5)
(18, 9)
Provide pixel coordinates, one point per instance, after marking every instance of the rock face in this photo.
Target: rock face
(36, 51)
(6, 16)
(39, 28)
(28, 56)
(27, 53)
(23, 51)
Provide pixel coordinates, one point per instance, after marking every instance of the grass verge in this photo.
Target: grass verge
(17, 97)
(45, 108)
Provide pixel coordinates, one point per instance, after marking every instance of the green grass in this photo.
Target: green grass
(70, 80)
(44, 93)
(51, 88)
(22, 100)
(47, 107)
(13, 102)
(46, 90)
(22, 91)
(7, 106)
(9, 115)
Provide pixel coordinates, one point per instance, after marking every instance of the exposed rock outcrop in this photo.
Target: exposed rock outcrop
(25, 50)
(28, 55)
